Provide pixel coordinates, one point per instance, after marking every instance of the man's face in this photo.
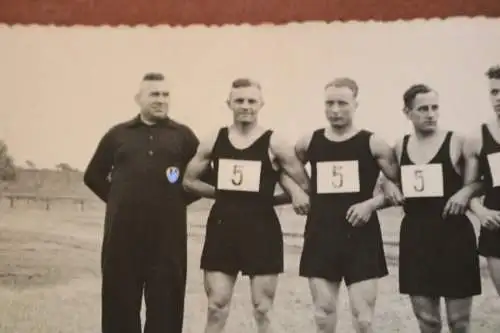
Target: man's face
(153, 99)
(245, 103)
(340, 105)
(424, 113)
(495, 95)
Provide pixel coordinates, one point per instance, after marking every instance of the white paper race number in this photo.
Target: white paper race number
(494, 163)
(420, 181)
(239, 175)
(337, 177)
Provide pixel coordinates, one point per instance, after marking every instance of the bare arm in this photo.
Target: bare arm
(388, 184)
(386, 158)
(197, 167)
(471, 150)
(287, 183)
(290, 164)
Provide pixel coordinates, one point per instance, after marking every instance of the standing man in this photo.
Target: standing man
(342, 239)
(437, 256)
(243, 231)
(137, 171)
(485, 152)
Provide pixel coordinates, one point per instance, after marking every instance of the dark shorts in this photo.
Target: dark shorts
(438, 258)
(352, 254)
(489, 243)
(248, 243)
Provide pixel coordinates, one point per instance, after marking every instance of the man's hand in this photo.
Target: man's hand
(489, 218)
(457, 204)
(360, 213)
(392, 193)
(300, 202)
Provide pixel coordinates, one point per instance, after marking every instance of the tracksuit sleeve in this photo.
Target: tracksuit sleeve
(96, 175)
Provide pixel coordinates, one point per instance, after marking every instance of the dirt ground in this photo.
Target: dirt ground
(50, 282)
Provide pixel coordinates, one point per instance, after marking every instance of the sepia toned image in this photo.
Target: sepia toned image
(305, 177)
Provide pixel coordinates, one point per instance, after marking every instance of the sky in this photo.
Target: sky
(63, 88)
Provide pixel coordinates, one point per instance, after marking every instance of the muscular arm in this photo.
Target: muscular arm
(290, 164)
(191, 146)
(96, 175)
(196, 168)
(287, 183)
(471, 150)
(387, 160)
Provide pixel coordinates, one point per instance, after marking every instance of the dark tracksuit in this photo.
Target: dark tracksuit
(145, 234)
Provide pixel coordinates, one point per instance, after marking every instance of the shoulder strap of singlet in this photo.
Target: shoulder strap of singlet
(445, 146)
(314, 138)
(223, 133)
(487, 137)
(404, 150)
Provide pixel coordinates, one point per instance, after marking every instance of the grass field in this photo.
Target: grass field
(50, 279)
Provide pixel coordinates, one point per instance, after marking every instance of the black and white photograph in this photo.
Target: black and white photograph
(304, 177)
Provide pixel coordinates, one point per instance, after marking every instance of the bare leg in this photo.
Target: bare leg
(263, 290)
(494, 269)
(325, 296)
(458, 312)
(219, 290)
(363, 296)
(427, 310)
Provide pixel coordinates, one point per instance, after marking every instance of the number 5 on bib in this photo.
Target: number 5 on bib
(337, 177)
(239, 175)
(419, 181)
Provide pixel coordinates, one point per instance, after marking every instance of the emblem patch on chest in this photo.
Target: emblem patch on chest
(173, 174)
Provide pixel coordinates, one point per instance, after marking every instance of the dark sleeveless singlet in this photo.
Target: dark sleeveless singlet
(437, 256)
(333, 248)
(489, 240)
(243, 230)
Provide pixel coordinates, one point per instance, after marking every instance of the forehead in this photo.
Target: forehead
(333, 92)
(251, 92)
(154, 86)
(430, 98)
(495, 83)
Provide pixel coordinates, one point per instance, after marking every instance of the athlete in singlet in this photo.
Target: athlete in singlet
(485, 148)
(342, 238)
(437, 255)
(243, 233)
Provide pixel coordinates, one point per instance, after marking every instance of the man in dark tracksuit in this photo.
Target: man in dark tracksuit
(137, 171)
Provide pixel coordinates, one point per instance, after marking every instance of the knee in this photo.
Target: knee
(261, 310)
(429, 319)
(363, 317)
(458, 322)
(218, 308)
(324, 313)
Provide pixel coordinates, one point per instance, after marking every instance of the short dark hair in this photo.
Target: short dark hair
(153, 76)
(244, 83)
(493, 72)
(411, 93)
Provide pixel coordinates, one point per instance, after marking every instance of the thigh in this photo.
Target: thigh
(457, 308)
(489, 243)
(219, 287)
(263, 289)
(220, 250)
(426, 307)
(261, 247)
(324, 293)
(494, 270)
(364, 258)
(321, 255)
(363, 295)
